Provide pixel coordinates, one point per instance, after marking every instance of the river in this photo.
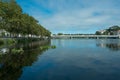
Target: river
(72, 59)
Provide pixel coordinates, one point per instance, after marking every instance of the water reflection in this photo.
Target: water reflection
(11, 64)
(73, 59)
(4, 50)
(112, 44)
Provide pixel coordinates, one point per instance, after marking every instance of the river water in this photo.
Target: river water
(72, 59)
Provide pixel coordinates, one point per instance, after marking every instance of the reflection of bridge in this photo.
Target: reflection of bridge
(86, 36)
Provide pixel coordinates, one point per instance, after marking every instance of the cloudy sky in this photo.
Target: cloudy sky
(73, 16)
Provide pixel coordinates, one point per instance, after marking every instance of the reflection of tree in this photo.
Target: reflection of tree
(115, 46)
(12, 64)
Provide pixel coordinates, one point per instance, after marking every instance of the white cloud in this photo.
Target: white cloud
(77, 15)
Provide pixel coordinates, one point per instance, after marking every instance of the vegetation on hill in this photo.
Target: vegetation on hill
(110, 31)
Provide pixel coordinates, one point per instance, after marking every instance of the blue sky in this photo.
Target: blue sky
(73, 16)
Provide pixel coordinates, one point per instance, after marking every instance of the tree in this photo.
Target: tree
(15, 22)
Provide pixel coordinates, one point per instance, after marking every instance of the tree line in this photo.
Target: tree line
(14, 21)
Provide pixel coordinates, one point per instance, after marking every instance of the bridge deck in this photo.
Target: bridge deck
(85, 36)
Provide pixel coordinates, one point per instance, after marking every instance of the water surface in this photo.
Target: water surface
(73, 59)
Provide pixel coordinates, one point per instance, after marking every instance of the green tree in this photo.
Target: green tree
(15, 22)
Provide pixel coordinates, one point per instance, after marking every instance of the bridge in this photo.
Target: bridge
(87, 36)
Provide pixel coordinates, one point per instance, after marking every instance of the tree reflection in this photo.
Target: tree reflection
(113, 45)
(11, 64)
